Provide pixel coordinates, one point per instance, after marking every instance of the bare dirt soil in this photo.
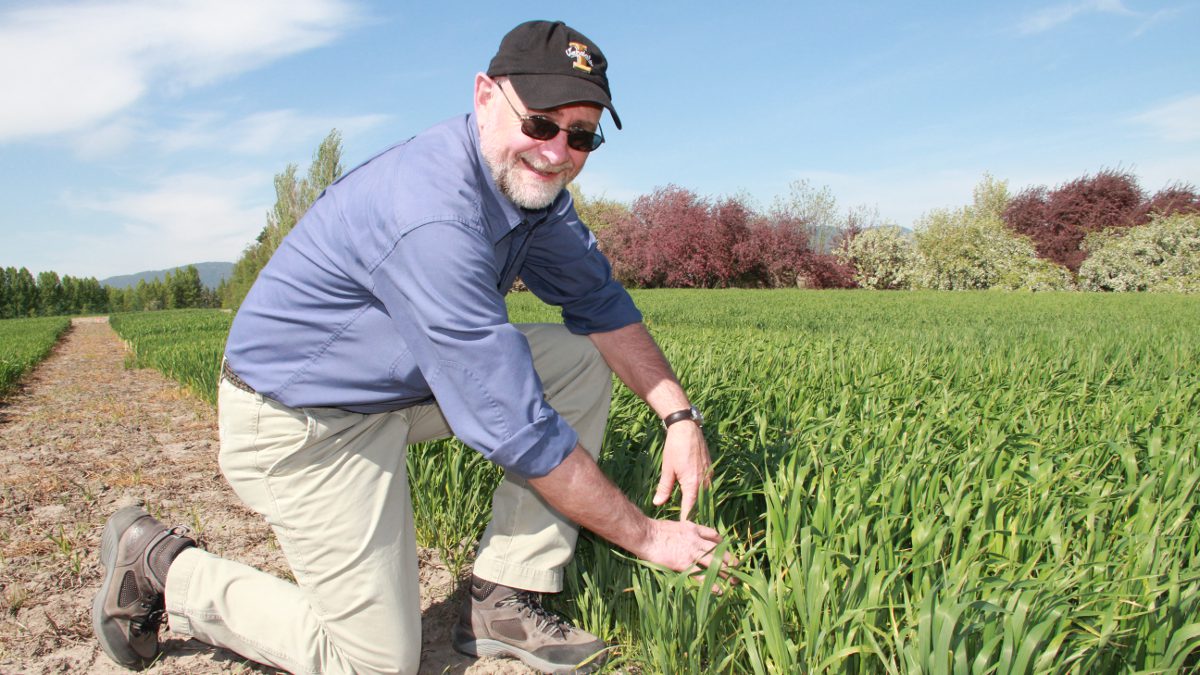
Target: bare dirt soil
(83, 436)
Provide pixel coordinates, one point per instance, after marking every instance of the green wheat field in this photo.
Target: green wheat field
(25, 342)
(914, 482)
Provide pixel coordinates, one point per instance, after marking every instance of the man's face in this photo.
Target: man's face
(529, 172)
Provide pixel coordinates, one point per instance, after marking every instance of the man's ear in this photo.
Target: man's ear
(485, 91)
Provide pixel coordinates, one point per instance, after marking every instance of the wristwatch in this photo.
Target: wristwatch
(692, 413)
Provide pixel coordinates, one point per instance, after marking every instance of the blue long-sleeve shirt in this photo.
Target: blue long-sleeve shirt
(389, 293)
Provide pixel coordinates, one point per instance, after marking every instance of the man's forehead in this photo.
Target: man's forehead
(583, 111)
(571, 113)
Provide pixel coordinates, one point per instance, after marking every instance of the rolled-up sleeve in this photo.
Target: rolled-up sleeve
(439, 286)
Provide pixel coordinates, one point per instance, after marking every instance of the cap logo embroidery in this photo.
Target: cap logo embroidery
(579, 52)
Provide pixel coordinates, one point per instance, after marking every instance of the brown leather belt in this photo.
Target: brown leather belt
(232, 378)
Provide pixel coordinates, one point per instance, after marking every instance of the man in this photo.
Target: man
(380, 322)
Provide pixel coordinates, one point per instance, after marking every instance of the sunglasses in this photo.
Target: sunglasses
(541, 128)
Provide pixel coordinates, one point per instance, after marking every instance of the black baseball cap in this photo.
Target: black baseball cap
(551, 64)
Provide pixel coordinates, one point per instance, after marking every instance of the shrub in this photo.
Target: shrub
(883, 258)
(1058, 221)
(596, 212)
(1175, 198)
(823, 271)
(959, 251)
(1035, 274)
(674, 238)
(1161, 256)
(772, 254)
(971, 248)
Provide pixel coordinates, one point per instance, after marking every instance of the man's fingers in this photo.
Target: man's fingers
(706, 560)
(702, 566)
(686, 503)
(708, 533)
(704, 555)
(665, 485)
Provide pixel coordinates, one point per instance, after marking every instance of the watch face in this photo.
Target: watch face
(697, 415)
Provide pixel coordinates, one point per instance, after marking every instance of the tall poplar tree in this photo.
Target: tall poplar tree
(293, 196)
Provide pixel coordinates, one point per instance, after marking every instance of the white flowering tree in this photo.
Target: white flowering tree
(883, 258)
(1163, 255)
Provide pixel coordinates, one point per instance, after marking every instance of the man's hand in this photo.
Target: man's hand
(580, 491)
(682, 546)
(685, 461)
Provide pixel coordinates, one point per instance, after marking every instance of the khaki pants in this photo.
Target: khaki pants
(334, 487)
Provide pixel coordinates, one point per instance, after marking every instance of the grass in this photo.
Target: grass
(186, 345)
(24, 343)
(915, 482)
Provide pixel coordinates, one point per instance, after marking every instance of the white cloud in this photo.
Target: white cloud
(1159, 17)
(268, 133)
(180, 219)
(108, 139)
(264, 131)
(1052, 17)
(67, 66)
(259, 133)
(1177, 121)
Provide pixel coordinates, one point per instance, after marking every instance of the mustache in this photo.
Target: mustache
(546, 167)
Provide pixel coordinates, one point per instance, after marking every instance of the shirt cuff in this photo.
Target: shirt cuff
(538, 448)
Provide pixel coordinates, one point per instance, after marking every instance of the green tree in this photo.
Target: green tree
(184, 289)
(25, 294)
(49, 294)
(971, 248)
(93, 297)
(70, 302)
(7, 276)
(119, 299)
(293, 197)
(150, 296)
(326, 167)
(812, 210)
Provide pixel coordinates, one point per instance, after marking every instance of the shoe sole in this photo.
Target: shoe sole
(108, 635)
(488, 647)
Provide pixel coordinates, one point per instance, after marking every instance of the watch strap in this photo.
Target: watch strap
(680, 415)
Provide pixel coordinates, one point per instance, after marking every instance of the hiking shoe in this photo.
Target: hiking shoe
(501, 621)
(136, 551)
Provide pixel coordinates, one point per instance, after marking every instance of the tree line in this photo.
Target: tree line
(1099, 232)
(23, 295)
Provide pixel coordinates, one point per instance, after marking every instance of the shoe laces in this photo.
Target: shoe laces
(152, 619)
(530, 604)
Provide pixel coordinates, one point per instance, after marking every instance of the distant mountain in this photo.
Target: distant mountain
(211, 274)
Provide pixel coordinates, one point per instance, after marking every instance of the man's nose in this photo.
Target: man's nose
(555, 150)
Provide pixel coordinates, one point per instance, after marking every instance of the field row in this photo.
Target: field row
(24, 343)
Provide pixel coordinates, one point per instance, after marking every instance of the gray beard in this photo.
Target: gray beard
(524, 195)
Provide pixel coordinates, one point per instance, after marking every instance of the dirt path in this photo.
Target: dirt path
(82, 437)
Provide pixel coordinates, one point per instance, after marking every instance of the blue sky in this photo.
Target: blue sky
(143, 134)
